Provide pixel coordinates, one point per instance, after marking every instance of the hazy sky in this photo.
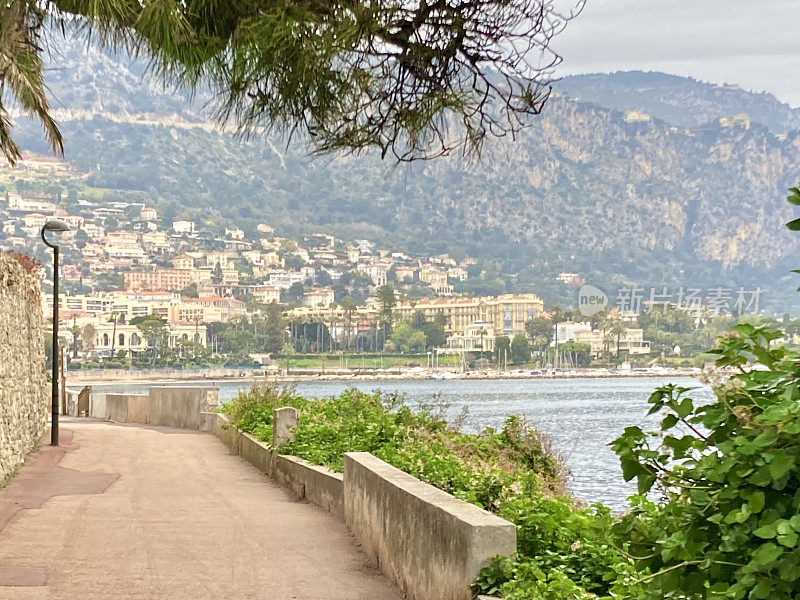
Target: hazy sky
(755, 43)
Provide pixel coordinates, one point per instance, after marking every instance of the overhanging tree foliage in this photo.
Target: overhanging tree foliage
(415, 79)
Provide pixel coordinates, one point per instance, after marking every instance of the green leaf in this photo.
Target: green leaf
(780, 465)
(685, 408)
(794, 225)
(669, 422)
(795, 522)
(630, 467)
(756, 501)
(645, 481)
(766, 554)
(789, 570)
(789, 539)
(766, 532)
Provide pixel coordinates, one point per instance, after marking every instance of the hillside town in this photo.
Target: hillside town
(123, 265)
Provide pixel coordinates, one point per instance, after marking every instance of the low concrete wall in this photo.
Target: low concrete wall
(169, 406)
(426, 541)
(180, 407)
(256, 452)
(429, 543)
(227, 433)
(314, 483)
(126, 408)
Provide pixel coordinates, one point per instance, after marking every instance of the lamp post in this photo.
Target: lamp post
(58, 226)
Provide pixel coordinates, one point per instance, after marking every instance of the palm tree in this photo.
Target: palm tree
(21, 29)
(482, 332)
(556, 314)
(619, 331)
(87, 337)
(76, 332)
(604, 326)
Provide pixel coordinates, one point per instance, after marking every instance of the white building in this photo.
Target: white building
(183, 226)
(375, 271)
(477, 337)
(318, 297)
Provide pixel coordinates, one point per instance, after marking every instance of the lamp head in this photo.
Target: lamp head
(55, 225)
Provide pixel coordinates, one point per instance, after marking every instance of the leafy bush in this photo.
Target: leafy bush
(563, 552)
(479, 468)
(253, 411)
(729, 474)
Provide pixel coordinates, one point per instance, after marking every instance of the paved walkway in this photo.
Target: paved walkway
(134, 512)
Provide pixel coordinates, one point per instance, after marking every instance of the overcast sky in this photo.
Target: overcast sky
(755, 43)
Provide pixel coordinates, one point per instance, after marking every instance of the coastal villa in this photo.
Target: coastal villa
(476, 337)
(375, 271)
(600, 342)
(436, 278)
(111, 338)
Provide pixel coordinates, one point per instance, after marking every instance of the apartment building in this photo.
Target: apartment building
(436, 278)
(173, 280)
(208, 309)
(507, 313)
(375, 271)
(632, 343)
(122, 306)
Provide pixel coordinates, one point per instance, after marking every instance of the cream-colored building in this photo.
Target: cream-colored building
(507, 313)
(111, 338)
(477, 337)
(375, 271)
(633, 343)
(209, 309)
(318, 297)
(265, 294)
(436, 278)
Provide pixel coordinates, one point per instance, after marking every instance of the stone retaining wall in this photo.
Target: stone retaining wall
(23, 384)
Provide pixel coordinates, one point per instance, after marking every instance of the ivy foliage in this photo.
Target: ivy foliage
(729, 475)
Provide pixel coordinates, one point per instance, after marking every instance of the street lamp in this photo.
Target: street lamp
(57, 226)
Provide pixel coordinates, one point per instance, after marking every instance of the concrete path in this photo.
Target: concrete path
(135, 512)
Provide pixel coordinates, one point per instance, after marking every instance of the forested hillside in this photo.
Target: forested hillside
(661, 201)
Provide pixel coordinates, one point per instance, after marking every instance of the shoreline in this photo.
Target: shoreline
(156, 378)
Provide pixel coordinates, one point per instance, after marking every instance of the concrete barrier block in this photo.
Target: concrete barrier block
(284, 421)
(429, 543)
(97, 406)
(181, 407)
(314, 483)
(126, 408)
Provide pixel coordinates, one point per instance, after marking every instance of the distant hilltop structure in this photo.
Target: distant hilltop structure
(740, 120)
(636, 116)
(575, 279)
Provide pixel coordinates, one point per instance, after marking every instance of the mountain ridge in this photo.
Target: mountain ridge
(641, 200)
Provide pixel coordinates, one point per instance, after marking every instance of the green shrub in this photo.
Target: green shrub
(729, 472)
